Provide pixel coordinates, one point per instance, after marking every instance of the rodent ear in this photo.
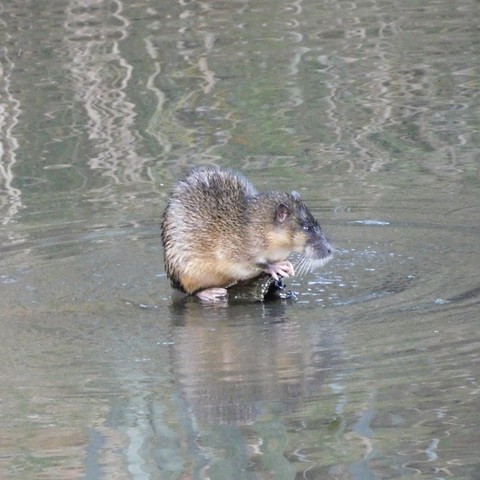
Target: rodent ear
(282, 212)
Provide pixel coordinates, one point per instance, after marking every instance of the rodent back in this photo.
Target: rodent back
(207, 207)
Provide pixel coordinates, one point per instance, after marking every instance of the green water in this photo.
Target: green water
(368, 109)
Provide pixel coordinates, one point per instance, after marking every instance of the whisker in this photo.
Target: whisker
(299, 267)
(303, 266)
(306, 264)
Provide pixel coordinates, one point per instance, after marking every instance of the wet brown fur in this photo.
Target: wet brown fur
(217, 229)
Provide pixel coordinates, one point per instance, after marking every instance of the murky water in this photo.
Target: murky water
(370, 110)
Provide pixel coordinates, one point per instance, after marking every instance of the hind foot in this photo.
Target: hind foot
(212, 294)
(280, 269)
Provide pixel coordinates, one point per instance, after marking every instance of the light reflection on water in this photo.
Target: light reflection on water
(369, 110)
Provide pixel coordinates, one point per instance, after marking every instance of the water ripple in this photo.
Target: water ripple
(10, 112)
(101, 76)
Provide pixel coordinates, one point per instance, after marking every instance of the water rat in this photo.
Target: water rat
(218, 229)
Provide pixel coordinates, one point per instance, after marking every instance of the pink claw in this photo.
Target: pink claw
(280, 269)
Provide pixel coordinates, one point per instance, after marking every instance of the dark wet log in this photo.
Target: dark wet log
(258, 289)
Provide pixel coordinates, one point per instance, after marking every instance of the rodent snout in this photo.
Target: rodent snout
(319, 249)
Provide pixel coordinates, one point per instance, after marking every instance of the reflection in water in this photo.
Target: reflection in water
(188, 62)
(368, 108)
(397, 91)
(101, 75)
(238, 374)
(10, 197)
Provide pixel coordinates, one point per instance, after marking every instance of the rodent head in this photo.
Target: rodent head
(296, 230)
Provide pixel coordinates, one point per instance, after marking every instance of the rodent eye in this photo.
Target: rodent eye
(306, 228)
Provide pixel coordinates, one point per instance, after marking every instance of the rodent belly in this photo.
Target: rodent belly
(239, 271)
(202, 275)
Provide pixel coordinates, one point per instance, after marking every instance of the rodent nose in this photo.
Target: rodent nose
(329, 248)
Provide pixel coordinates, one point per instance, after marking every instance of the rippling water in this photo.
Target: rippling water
(370, 110)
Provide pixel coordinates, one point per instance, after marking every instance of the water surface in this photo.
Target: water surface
(369, 110)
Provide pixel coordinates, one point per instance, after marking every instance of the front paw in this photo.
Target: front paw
(280, 269)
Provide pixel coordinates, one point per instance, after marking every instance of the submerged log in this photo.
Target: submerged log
(259, 289)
